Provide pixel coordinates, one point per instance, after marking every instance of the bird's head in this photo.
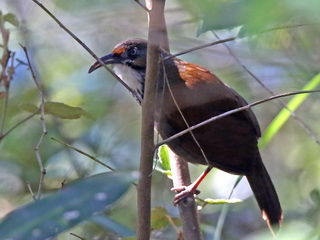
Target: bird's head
(129, 61)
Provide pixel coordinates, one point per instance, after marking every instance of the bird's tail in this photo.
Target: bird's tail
(266, 195)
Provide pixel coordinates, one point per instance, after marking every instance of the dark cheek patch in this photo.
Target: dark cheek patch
(140, 62)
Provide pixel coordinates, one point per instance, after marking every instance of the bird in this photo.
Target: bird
(188, 94)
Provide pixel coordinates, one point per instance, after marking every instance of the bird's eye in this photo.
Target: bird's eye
(133, 52)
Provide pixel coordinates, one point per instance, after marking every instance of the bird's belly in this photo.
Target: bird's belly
(227, 144)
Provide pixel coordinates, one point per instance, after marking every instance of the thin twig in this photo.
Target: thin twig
(83, 153)
(43, 124)
(201, 47)
(176, 229)
(165, 141)
(8, 78)
(4, 113)
(5, 34)
(85, 47)
(6, 81)
(18, 124)
(4, 78)
(141, 5)
(31, 191)
(293, 114)
(231, 39)
(287, 27)
(77, 236)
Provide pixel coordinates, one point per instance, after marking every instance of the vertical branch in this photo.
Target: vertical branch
(44, 129)
(6, 82)
(4, 78)
(187, 209)
(147, 128)
(180, 170)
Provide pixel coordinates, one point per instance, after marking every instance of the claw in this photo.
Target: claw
(184, 192)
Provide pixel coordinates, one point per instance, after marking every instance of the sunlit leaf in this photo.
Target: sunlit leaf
(60, 211)
(160, 218)
(11, 18)
(57, 109)
(28, 107)
(222, 201)
(64, 111)
(284, 115)
(164, 157)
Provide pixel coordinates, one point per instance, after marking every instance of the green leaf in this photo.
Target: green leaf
(113, 226)
(28, 107)
(284, 115)
(222, 201)
(253, 16)
(11, 18)
(57, 109)
(315, 196)
(160, 218)
(64, 111)
(164, 157)
(73, 204)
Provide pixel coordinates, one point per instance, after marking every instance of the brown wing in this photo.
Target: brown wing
(193, 75)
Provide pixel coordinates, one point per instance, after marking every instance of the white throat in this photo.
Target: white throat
(132, 77)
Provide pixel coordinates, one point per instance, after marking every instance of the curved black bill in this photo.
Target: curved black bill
(108, 59)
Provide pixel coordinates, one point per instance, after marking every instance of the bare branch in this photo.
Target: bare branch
(44, 129)
(293, 114)
(287, 27)
(187, 209)
(6, 79)
(84, 153)
(31, 191)
(231, 39)
(77, 236)
(5, 75)
(201, 47)
(84, 46)
(179, 167)
(165, 141)
(18, 124)
(141, 5)
(147, 124)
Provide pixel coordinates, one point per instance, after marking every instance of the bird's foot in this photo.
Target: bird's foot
(184, 192)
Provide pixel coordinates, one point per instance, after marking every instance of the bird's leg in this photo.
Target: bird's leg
(186, 191)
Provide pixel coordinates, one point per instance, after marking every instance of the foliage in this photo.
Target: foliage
(75, 203)
(284, 115)
(276, 40)
(59, 110)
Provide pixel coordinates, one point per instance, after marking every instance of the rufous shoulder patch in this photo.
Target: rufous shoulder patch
(193, 73)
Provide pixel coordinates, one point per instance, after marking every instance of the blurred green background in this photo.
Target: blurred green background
(278, 41)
